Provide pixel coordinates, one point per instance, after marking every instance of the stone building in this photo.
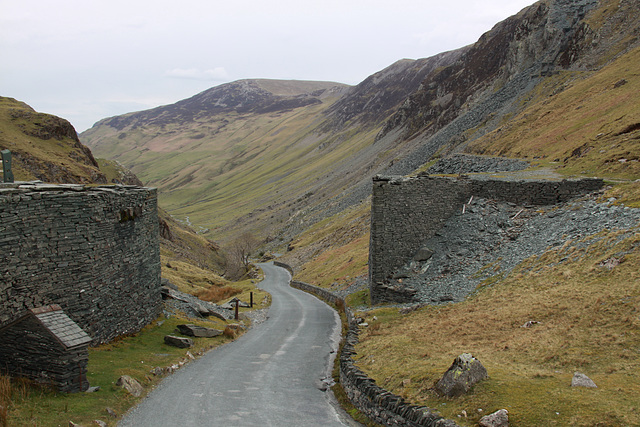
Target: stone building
(45, 345)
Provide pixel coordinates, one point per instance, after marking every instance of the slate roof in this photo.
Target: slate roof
(61, 326)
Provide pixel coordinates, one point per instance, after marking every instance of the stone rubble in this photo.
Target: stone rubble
(491, 238)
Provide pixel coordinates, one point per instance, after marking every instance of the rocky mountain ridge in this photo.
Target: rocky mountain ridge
(315, 154)
(257, 96)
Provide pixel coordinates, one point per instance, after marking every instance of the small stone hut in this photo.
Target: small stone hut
(48, 347)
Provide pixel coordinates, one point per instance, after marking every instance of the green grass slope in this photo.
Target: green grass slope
(44, 147)
(582, 123)
(239, 170)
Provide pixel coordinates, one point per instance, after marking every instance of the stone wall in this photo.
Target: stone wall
(92, 250)
(407, 211)
(378, 404)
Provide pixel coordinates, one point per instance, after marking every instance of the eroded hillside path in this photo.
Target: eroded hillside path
(270, 376)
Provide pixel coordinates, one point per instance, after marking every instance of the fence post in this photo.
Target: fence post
(6, 166)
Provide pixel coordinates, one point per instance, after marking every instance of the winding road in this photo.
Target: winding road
(270, 376)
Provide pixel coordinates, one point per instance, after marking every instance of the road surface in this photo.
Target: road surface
(270, 376)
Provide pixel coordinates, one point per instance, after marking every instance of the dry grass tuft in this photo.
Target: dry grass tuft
(216, 294)
(12, 391)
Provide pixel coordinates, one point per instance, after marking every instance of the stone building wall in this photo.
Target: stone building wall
(92, 250)
(405, 212)
(29, 349)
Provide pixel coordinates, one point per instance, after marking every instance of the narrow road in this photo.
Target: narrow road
(270, 376)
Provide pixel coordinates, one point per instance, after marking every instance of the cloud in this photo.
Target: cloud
(218, 73)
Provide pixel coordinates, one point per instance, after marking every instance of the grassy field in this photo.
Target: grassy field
(586, 300)
(334, 251)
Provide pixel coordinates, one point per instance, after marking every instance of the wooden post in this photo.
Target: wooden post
(237, 304)
(6, 166)
(251, 296)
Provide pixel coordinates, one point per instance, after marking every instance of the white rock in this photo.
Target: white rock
(581, 380)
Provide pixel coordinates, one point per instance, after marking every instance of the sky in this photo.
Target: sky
(85, 60)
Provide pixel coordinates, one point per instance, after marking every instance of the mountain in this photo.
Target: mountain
(45, 147)
(274, 157)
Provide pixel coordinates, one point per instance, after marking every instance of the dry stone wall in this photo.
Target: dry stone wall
(405, 212)
(92, 250)
(378, 404)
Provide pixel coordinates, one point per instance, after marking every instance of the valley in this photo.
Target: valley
(550, 93)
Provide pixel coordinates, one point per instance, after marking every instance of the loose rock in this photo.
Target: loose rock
(497, 419)
(465, 371)
(581, 380)
(199, 331)
(178, 341)
(131, 385)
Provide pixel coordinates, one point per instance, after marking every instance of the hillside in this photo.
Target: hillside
(45, 147)
(260, 155)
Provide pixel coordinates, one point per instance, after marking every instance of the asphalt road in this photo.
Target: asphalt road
(270, 376)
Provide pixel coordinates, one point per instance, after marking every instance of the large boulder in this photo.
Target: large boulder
(199, 331)
(178, 341)
(465, 371)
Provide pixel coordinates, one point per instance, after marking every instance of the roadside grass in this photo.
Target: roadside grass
(188, 277)
(359, 298)
(586, 298)
(25, 403)
(135, 355)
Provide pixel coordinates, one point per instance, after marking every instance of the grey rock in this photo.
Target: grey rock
(178, 341)
(233, 301)
(465, 371)
(194, 305)
(131, 385)
(166, 282)
(199, 331)
(100, 423)
(423, 254)
(581, 380)
(497, 419)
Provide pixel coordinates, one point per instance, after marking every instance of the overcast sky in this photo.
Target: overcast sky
(85, 60)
